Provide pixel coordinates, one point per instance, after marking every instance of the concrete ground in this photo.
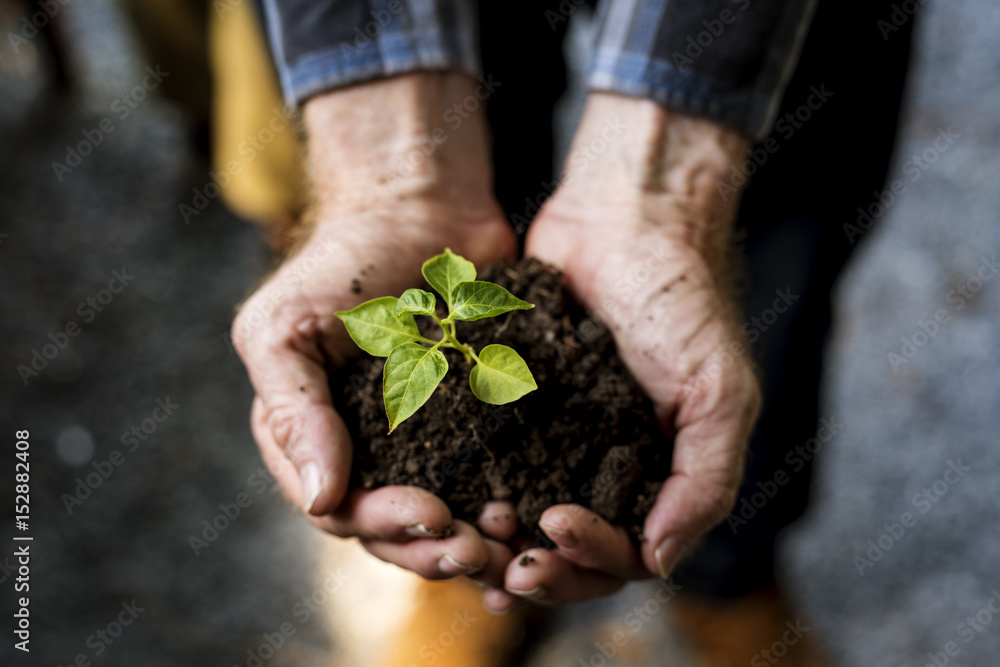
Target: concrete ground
(127, 536)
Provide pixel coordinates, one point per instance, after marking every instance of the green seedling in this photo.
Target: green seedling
(385, 327)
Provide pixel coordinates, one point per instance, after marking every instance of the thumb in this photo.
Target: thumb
(287, 371)
(714, 425)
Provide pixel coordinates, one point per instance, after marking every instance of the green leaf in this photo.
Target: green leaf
(376, 329)
(411, 374)
(446, 271)
(416, 301)
(478, 299)
(501, 376)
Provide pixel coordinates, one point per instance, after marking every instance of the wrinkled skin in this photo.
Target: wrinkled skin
(639, 235)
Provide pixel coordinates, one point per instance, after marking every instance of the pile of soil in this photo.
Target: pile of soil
(586, 436)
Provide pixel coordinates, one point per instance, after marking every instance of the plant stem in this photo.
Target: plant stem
(448, 329)
(472, 352)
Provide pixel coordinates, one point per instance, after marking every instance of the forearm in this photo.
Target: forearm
(398, 139)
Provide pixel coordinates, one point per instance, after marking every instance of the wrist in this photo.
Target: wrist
(666, 168)
(399, 139)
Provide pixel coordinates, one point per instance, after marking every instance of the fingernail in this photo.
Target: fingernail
(508, 610)
(420, 530)
(667, 555)
(536, 593)
(566, 537)
(452, 567)
(312, 484)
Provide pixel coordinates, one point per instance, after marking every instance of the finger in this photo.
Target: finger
(286, 369)
(498, 556)
(547, 578)
(500, 601)
(313, 490)
(498, 520)
(394, 513)
(709, 452)
(588, 541)
(463, 553)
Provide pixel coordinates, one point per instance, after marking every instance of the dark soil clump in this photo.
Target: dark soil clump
(586, 436)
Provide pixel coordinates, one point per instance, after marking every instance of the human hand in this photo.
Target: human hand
(640, 232)
(378, 217)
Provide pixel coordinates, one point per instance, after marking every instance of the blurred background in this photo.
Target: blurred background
(121, 267)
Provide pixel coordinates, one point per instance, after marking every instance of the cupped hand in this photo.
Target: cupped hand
(390, 191)
(644, 250)
(289, 339)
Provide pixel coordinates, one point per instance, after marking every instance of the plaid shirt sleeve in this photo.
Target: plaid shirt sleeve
(323, 44)
(726, 60)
